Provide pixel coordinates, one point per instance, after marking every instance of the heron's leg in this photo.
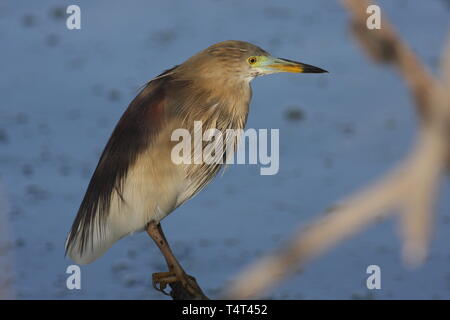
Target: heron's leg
(155, 232)
(176, 272)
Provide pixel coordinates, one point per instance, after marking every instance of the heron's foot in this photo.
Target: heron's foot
(183, 287)
(160, 281)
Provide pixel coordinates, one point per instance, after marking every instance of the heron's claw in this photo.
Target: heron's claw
(160, 281)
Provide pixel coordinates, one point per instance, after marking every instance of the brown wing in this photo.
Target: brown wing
(133, 133)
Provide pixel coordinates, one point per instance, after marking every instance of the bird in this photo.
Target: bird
(136, 184)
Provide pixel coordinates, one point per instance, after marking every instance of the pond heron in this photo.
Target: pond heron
(136, 184)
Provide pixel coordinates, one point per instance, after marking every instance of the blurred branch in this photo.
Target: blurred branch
(385, 46)
(409, 190)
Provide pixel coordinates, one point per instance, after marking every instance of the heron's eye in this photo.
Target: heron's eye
(252, 60)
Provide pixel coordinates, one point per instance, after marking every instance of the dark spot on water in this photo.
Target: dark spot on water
(383, 249)
(29, 20)
(120, 266)
(164, 37)
(45, 154)
(20, 242)
(231, 242)
(65, 170)
(15, 211)
(391, 124)
(229, 189)
(49, 246)
(347, 129)
(36, 193)
(204, 242)
(294, 114)
(21, 118)
(114, 95)
(130, 280)
(27, 170)
(74, 114)
(447, 3)
(58, 13)
(43, 128)
(132, 254)
(52, 39)
(363, 296)
(4, 138)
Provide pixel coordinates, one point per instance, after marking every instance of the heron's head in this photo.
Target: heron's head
(241, 60)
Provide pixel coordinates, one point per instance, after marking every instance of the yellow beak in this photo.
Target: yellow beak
(285, 65)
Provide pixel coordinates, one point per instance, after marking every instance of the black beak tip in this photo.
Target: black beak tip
(312, 69)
